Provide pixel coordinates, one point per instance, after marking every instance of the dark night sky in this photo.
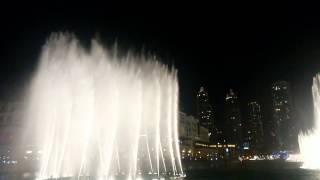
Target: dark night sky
(243, 46)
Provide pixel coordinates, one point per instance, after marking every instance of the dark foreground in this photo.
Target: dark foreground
(268, 170)
(251, 170)
(253, 174)
(233, 174)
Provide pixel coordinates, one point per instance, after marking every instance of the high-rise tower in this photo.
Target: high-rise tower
(205, 112)
(254, 127)
(233, 124)
(283, 124)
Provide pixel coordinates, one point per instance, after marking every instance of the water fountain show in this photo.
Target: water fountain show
(309, 142)
(97, 115)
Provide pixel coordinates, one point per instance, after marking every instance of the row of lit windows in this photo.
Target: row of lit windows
(279, 88)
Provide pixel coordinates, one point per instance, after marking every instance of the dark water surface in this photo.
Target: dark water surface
(228, 174)
(254, 174)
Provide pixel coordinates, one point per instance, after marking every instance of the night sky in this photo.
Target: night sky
(244, 46)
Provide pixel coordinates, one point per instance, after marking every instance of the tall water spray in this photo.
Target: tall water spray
(309, 143)
(95, 113)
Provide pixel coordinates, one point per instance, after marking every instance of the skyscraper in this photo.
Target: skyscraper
(284, 127)
(254, 128)
(205, 112)
(233, 124)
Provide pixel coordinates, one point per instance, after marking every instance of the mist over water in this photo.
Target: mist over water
(96, 113)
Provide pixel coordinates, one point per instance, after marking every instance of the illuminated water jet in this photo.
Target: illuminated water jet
(95, 113)
(309, 143)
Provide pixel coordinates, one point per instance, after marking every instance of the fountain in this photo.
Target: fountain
(96, 114)
(309, 143)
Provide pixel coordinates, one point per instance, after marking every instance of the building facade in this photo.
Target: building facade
(284, 127)
(233, 120)
(205, 113)
(192, 134)
(188, 131)
(253, 138)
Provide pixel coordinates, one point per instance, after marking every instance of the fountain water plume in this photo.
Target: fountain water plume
(95, 113)
(309, 143)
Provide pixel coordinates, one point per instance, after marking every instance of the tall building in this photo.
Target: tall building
(254, 128)
(283, 124)
(205, 112)
(233, 124)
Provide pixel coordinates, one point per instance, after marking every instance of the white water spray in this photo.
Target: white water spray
(309, 143)
(94, 113)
